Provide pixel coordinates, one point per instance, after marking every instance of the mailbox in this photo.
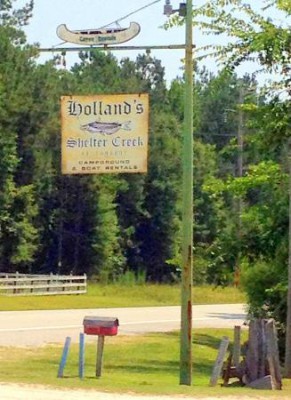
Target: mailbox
(101, 326)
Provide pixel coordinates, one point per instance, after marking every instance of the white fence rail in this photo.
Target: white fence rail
(33, 285)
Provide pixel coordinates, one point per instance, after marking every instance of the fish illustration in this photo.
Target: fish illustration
(106, 128)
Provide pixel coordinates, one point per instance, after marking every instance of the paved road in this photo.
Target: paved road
(34, 328)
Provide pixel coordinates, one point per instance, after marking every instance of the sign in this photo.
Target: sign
(104, 133)
(98, 36)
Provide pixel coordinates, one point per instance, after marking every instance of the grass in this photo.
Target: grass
(144, 364)
(100, 296)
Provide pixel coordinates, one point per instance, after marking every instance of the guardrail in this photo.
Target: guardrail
(33, 285)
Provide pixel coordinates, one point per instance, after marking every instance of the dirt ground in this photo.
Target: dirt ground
(33, 392)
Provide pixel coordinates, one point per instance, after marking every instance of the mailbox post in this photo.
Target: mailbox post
(101, 327)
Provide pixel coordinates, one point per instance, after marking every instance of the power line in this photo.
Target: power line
(131, 13)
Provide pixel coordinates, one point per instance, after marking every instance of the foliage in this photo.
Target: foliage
(18, 231)
(247, 34)
(159, 229)
(15, 17)
(284, 5)
(263, 284)
(109, 260)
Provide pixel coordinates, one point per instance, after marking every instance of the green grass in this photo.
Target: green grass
(141, 364)
(123, 296)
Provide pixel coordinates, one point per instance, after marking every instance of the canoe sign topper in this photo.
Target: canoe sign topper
(99, 36)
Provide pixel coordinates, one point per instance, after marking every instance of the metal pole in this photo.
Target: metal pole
(187, 221)
(287, 371)
(109, 48)
(240, 146)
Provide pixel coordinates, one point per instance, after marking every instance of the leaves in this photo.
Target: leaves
(248, 35)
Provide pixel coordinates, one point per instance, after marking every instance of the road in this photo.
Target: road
(36, 328)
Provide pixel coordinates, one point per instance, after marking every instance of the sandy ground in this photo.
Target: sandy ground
(33, 392)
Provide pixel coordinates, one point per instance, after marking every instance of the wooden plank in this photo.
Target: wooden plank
(219, 361)
(42, 279)
(46, 293)
(273, 354)
(44, 286)
(262, 350)
(252, 356)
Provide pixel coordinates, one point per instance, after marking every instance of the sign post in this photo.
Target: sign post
(109, 135)
(187, 216)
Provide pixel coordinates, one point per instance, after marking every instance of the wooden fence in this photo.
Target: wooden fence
(34, 285)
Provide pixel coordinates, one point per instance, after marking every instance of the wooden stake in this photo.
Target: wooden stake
(273, 354)
(237, 346)
(219, 361)
(81, 355)
(100, 347)
(64, 357)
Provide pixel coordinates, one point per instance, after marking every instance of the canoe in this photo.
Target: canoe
(102, 36)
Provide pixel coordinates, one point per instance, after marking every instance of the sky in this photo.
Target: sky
(83, 14)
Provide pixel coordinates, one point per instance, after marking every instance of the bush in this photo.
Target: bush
(266, 285)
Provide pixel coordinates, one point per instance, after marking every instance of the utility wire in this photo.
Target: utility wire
(131, 13)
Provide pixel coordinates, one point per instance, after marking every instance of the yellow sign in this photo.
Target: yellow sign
(104, 133)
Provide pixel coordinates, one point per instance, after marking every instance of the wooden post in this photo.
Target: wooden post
(64, 357)
(15, 282)
(236, 346)
(257, 350)
(262, 349)
(219, 361)
(81, 355)
(100, 347)
(187, 208)
(273, 354)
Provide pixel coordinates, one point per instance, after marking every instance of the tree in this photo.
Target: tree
(15, 17)
(153, 245)
(109, 259)
(248, 35)
(18, 206)
(160, 225)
